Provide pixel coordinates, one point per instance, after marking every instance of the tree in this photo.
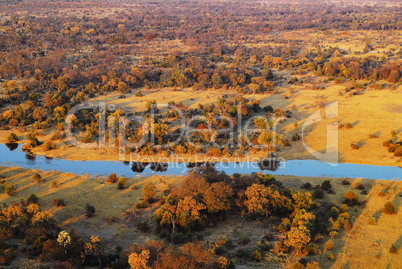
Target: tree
(39, 113)
(298, 237)
(393, 76)
(148, 191)
(217, 196)
(166, 214)
(326, 185)
(12, 138)
(112, 178)
(151, 104)
(64, 239)
(352, 197)
(58, 113)
(95, 248)
(389, 208)
(188, 211)
(160, 130)
(139, 261)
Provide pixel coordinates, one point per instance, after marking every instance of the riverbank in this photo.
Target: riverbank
(115, 219)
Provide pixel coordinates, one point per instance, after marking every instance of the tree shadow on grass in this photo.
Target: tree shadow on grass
(377, 215)
(398, 242)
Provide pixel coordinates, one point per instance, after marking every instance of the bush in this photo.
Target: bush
(49, 145)
(346, 182)
(357, 185)
(143, 226)
(295, 137)
(59, 203)
(148, 191)
(354, 146)
(89, 210)
(372, 221)
(32, 199)
(12, 138)
(328, 245)
(348, 126)
(326, 185)
(257, 256)
(121, 183)
(37, 177)
(297, 265)
(352, 197)
(330, 256)
(9, 189)
(318, 194)
(139, 94)
(112, 178)
(389, 208)
(393, 249)
(53, 184)
(398, 151)
(307, 186)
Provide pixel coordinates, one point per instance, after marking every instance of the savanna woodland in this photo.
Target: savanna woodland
(210, 80)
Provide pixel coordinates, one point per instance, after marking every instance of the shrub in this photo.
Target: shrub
(307, 186)
(53, 184)
(139, 94)
(318, 194)
(257, 256)
(148, 191)
(297, 265)
(59, 203)
(263, 245)
(354, 146)
(344, 208)
(341, 125)
(49, 145)
(32, 199)
(389, 208)
(89, 210)
(295, 137)
(12, 138)
(372, 221)
(393, 249)
(357, 185)
(398, 151)
(326, 185)
(121, 183)
(37, 177)
(313, 249)
(328, 245)
(330, 256)
(143, 226)
(112, 178)
(348, 126)
(352, 197)
(346, 182)
(9, 189)
(393, 133)
(392, 148)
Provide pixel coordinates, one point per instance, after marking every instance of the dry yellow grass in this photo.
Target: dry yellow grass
(76, 191)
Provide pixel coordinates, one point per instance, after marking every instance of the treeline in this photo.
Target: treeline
(206, 197)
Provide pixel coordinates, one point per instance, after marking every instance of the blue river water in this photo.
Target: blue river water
(14, 156)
